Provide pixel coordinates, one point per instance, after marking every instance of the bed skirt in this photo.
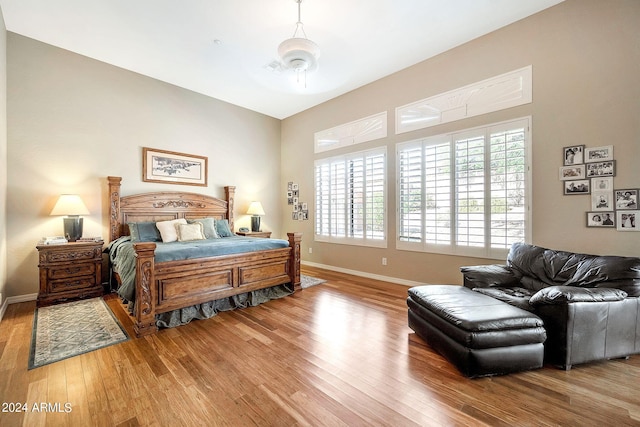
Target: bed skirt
(209, 309)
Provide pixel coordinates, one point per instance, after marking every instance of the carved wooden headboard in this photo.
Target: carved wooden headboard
(162, 206)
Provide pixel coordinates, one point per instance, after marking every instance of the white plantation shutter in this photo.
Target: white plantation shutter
(375, 178)
(508, 184)
(438, 203)
(470, 191)
(465, 193)
(350, 198)
(410, 199)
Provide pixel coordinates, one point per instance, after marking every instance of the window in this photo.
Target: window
(465, 193)
(350, 198)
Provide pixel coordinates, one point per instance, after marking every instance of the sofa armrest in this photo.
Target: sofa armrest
(571, 294)
(484, 276)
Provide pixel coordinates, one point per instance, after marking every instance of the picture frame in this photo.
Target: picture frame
(601, 219)
(628, 220)
(171, 167)
(602, 184)
(597, 169)
(581, 186)
(602, 200)
(573, 155)
(626, 199)
(572, 172)
(598, 154)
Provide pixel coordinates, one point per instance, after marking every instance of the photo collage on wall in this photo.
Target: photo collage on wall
(300, 209)
(590, 171)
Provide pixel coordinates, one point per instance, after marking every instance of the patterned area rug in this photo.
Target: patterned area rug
(308, 281)
(66, 330)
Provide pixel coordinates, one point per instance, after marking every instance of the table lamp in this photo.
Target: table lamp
(72, 206)
(255, 210)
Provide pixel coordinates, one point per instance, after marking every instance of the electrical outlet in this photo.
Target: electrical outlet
(384, 261)
(310, 250)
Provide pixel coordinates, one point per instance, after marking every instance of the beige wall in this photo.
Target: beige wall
(586, 62)
(73, 121)
(3, 162)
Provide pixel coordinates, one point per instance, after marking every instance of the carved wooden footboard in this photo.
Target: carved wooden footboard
(166, 286)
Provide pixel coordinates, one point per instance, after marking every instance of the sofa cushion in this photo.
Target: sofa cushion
(570, 294)
(516, 296)
(605, 268)
(493, 275)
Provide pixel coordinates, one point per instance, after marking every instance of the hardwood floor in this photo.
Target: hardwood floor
(339, 353)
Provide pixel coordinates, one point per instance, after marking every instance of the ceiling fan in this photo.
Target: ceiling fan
(297, 53)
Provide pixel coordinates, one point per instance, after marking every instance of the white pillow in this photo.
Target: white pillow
(168, 229)
(187, 232)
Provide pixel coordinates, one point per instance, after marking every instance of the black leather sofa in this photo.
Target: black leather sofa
(589, 304)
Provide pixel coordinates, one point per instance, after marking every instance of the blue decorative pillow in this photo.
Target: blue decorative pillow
(223, 229)
(209, 226)
(144, 232)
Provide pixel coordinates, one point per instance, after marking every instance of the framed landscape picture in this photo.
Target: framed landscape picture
(173, 168)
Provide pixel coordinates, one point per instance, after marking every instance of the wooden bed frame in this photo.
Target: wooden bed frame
(166, 286)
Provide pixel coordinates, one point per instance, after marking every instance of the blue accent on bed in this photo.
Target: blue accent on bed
(176, 251)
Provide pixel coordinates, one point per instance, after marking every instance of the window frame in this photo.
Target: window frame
(344, 211)
(452, 248)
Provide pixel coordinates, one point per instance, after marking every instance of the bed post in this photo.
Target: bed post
(230, 192)
(114, 207)
(146, 289)
(294, 259)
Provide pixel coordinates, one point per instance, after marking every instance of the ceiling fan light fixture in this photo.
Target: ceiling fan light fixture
(298, 53)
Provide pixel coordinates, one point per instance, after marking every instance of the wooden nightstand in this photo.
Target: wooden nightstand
(266, 234)
(69, 271)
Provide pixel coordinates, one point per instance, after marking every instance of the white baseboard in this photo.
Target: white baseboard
(3, 308)
(404, 282)
(22, 298)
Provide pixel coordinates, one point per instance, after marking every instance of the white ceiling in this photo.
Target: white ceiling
(174, 40)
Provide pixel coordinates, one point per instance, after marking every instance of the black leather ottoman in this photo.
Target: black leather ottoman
(480, 335)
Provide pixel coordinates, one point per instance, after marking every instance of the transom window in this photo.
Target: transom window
(466, 193)
(351, 198)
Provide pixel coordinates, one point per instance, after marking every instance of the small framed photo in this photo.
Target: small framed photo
(626, 199)
(607, 168)
(572, 172)
(627, 220)
(601, 219)
(598, 154)
(602, 184)
(602, 200)
(573, 155)
(581, 186)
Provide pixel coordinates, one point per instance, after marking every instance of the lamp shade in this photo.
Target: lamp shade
(70, 204)
(255, 208)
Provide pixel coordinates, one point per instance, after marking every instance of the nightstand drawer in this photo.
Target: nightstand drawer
(72, 270)
(69, 255)
(71, 284)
